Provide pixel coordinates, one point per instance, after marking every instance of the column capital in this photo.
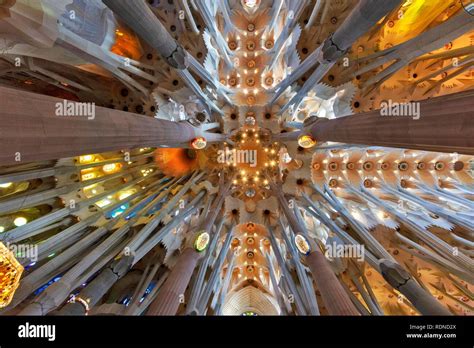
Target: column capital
(178, 59)
(393, 273)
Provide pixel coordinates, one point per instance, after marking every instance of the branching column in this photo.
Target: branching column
(333, 294)
(94, 291)
(138, 16)
(171, 295)
(364, 15)
(401, 280)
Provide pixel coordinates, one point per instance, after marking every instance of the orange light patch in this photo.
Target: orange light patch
(177, 162)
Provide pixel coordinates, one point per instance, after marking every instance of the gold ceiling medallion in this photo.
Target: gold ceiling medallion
(202, 241)
(198, 143)
(306, 141)
(302, 244)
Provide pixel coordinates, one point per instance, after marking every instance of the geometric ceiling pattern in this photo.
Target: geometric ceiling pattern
(236, 157)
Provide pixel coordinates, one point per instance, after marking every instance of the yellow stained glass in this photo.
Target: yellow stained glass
(10, 274)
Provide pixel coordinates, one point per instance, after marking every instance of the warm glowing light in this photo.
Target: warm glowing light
(88, 176)
(110, 168)
(103, 203)
(126, 44)
(86, 158)
(199, 143)
(145, 172)
(6, 185)
(20, 221)
(10, 274)
(2, 229)
(125, 194)
(91, 190)
(177, 162)
(306, 141)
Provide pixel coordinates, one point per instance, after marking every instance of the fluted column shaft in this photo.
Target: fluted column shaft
(445, 125)
(334, 297)
(216, 206)
(138, 16)
(215, 275)
(284, 205)
(168, 299)
(401, 280)
(30, 130)
(92, 293)
(171, 293)
(364, 15)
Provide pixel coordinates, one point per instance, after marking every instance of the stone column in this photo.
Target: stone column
(31, 130)
(168, 300)
(401, 280)
(138, 16)
(285, 274)
(365, 14)
(334, 297)
(444, 125)
(97, 288)
(197, 287)
(276, 187)
(215, 275)
(171, 294)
